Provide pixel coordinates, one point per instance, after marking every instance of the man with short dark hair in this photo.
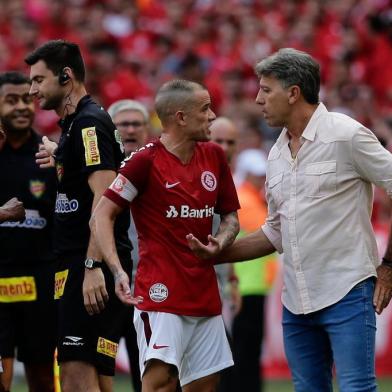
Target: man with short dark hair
(27, 260)
(319, 192)
(174, 185)
(86, 159)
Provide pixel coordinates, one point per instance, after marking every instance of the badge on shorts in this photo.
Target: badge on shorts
(20, 289)
(158, 292)
(91, 150)
(107, 347)
(59, 283)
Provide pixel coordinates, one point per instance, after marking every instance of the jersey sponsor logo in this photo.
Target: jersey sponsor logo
(107, 347)
(20, 289)
(168, 186)
(91, 150)
(73, 341)
(158, 292)
(123, 187)
(186, 211)
(37, 188)
(59, 283)
(208, 180)
(64, 205)
(33, 220)
(59, 170)
(148, 145)
(157, 347)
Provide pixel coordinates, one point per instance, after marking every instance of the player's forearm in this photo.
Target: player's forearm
(102, 239)
(93, 250)
(228, 229)
(249, 247)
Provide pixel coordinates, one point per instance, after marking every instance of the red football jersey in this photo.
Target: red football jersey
(175, 199)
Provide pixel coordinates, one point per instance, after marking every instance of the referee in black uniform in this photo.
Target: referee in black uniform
(27, 307)
(86, 160)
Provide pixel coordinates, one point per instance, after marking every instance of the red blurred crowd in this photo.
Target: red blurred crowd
(132, 46)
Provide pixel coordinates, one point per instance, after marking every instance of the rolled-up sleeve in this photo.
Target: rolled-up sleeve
(372, 161)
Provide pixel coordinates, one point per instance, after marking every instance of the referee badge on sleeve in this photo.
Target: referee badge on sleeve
(91, 149)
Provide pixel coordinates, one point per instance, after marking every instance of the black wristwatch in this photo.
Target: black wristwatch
(91, 264)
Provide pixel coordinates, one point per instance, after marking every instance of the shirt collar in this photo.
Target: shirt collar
(310, 130)
(63, 123)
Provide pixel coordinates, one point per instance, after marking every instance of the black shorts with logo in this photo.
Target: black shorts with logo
(92, 339)
(28, 317)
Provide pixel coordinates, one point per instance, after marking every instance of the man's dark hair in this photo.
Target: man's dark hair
(293, 67)
(58, 54)
(13, 77)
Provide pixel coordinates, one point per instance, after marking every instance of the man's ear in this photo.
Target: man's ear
(180, 117)
(294, 92)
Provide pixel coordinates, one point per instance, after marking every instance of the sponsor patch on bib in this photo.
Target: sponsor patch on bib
(20, 289)
(91, 150)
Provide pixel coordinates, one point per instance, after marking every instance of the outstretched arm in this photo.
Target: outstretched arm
(249, 247)
(227, 231)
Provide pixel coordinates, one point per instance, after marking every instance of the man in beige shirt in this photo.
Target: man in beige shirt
(319, 191)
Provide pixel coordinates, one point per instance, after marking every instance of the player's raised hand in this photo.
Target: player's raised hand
(212, 248)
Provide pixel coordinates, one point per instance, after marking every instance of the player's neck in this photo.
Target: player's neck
(182, 149)
(17, 139)
(70, 101)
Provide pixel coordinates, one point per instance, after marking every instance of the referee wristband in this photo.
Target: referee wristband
(386, 262)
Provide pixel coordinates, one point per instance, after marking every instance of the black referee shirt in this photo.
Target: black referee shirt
(30, 241)
(88, 143)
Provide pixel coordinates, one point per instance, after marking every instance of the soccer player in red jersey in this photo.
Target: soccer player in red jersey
(174, 185)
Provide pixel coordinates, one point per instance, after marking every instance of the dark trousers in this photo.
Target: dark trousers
(247, 330)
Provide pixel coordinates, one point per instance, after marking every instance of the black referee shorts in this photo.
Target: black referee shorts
(28, 317)
(92, 339)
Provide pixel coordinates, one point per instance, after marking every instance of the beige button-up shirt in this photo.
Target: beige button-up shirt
(320, 205)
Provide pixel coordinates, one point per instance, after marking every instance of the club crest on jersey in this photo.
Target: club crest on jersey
(91, 150)
(37, 188)
(208, 180)
(158, 292)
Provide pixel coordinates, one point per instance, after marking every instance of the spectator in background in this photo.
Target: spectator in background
(255, 277)
(131, 119)
(28, 318)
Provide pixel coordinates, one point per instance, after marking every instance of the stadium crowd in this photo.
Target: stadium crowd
(132, 47)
